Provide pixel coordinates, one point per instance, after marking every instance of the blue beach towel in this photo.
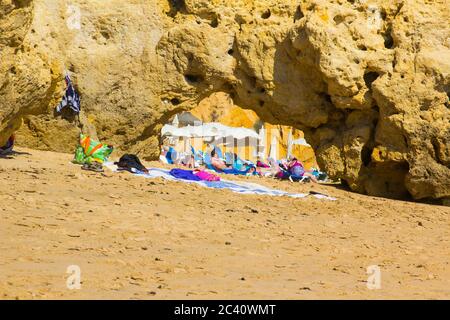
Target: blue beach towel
(184, 175)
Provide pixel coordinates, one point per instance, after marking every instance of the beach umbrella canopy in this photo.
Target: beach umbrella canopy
(213, 129)
(301, 142)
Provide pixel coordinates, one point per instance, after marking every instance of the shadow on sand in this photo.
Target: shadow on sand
(13, 154)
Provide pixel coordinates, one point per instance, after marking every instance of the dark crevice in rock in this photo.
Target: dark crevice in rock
(405, 140)
(362, 47)
(298, 14)
(175, 101)
(388, 39)
(214, 22)
(325, 96)
(370, 77)
(21, 3)
(366, 155)
(194, 78)
(437, 151)
(175, 7)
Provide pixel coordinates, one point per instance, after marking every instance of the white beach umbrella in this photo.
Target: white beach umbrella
(301, 142)
(289, 144)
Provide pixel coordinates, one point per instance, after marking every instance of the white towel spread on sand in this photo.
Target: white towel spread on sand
(235, 186)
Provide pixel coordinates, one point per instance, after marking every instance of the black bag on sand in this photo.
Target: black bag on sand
(129, 162)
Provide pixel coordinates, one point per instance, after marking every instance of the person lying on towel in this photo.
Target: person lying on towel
(220, 166)
(298, 171)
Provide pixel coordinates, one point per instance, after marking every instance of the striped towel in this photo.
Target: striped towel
(70, 99)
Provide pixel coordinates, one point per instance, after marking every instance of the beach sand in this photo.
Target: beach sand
(137, 238)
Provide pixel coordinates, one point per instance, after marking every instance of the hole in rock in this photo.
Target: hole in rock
(175, 7)
(362, 47)
(338, 19)
(370, 77)
(298, 14)
(388, 40)
(193, 78)
(214, 23)
(266, 14)
(175, 101)
(105, 34)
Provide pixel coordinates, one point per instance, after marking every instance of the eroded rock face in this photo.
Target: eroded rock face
(367, 81)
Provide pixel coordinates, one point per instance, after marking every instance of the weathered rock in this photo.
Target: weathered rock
(368, 82)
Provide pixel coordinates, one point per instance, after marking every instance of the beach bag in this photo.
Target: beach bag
(89, 151)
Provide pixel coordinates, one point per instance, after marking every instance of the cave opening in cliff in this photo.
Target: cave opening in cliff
(262, 140)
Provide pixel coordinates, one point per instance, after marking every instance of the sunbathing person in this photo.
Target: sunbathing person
(297, 170)
(218, 163)
(220, 166)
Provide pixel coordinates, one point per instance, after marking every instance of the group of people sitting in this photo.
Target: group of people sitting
(287, 169)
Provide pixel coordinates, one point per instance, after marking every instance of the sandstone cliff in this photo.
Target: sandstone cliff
(367, 81)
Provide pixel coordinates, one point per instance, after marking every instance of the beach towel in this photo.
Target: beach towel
(234, 186)
(235, 172)
(184, 174)
(261, 164)
(90, 150)
(206, 176)
(70, 99)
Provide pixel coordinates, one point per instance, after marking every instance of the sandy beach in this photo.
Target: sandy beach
(137, 238)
